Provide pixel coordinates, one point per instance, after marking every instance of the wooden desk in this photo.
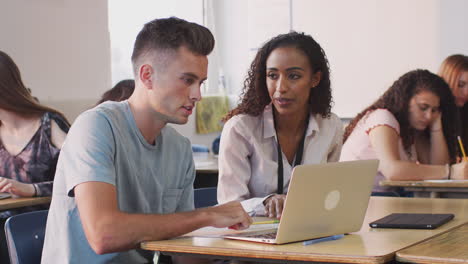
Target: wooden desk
(450, 247)
(11, 203)
(366, 246)
(433, 189)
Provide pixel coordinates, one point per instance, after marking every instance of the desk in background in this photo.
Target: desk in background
(433, 189)
(12, 203)
(450, 247)
(369, 245)
(206, 166)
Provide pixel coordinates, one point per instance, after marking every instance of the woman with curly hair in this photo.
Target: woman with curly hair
(410, 130)
(454, 70)
(283, 120)
(31, 136)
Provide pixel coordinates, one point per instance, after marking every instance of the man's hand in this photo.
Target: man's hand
(274, 205)
(230, 215)
(16, 188)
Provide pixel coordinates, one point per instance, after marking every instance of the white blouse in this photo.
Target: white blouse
(248, 156)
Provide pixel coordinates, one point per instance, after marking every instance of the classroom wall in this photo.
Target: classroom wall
(62, 49)
(369, 43)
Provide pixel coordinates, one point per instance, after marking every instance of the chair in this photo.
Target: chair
(199, 148)
(205, 197)
(25, 236)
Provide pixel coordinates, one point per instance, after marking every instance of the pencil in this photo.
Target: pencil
(266, 222)
(462, 148)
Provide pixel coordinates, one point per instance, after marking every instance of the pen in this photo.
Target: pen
(461, 147)
(266, 222)
(322, 239)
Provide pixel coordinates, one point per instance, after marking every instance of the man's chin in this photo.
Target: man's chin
(180, 120)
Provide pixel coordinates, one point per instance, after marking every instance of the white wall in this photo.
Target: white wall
(61, 47)
(369, 43)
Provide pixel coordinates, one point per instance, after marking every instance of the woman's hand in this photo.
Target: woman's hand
(16, 188)
(459, 171)
(274, 205)
(436, 125)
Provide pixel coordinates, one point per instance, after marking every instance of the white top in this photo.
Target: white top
(248, 156)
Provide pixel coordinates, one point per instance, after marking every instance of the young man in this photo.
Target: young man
(123, 176)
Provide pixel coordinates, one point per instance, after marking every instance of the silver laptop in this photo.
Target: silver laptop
(323, 200)
(4, 195)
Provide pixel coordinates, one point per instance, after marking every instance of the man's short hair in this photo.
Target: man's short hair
(168, 34)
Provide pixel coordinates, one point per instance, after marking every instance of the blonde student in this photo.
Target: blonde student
(454, 70)
(283, 120)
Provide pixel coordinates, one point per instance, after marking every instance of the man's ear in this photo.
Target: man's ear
(316, 78)
(146, 75)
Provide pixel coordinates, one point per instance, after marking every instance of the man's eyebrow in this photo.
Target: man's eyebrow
(193, 75)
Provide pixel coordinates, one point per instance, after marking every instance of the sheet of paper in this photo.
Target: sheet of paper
(219, 232)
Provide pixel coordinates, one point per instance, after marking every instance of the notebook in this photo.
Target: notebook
(412, 221)
(323, 200)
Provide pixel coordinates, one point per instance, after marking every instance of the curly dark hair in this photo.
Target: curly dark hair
(255, 96)
(396, 100)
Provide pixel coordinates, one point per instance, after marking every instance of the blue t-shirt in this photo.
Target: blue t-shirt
(104, 144)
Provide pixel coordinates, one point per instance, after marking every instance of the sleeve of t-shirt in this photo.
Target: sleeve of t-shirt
(88, 152)
(380, 117)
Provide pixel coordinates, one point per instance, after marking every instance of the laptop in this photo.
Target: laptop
(323, 200)
(412, 221)
(4, 195)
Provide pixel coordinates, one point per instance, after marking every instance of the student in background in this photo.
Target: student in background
(125, 177)
(283, 120)
(454, 70)
(121, 91)
(31, 136)
(410, 130)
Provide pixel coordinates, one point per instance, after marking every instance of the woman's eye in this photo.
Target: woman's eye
(294, 76)
(272, 76)
(423, 107)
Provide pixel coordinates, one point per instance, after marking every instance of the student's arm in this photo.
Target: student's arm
(438, 153)
(235, 167)
(432, 149)
(384, 141)
(109, 230)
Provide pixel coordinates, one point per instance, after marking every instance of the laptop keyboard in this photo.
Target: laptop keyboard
(270, 235)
